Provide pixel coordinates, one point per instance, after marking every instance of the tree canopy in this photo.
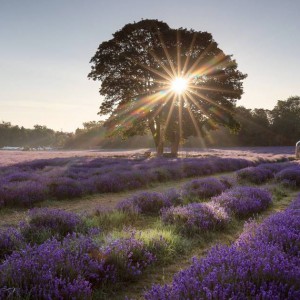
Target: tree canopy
(137, 69)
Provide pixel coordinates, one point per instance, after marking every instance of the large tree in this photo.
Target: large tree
(174, 83)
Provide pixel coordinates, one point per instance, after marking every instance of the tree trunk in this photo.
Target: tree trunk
(175, 147)
(160, 149)
(158, 136)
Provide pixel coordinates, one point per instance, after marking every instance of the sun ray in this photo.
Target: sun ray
(216, 61)
(178, 54)
(167, 54)
(141, 79)
(170, 113)
(187, 60)
(194, 101)
(185, 97)
(145, 104)
(198, 60)
(161, 107)
(180, 117)
(207, 99)
(169, 72)
(207, 88)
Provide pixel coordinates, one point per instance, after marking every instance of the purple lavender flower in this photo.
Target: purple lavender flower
(65, 188)
(196, 217)
(57, 221)
(257, 175)
(203, 188)
(244, 201)
(53, 270)
(128, 256)
(289, 176)
(10, 240)
(22, 193)
(145, 203)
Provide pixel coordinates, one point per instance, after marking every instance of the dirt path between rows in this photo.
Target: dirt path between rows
(88, 204)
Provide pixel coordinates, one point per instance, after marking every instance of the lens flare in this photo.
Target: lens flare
(179, 85)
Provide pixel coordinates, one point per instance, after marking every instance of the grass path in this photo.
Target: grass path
(88, 204)
(164, 274)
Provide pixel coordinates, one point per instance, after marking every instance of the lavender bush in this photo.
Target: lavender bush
(244, 201)
(47, 222)
(174, 196)
(277, 167)
(196, 218)
(128, 256)
(26, 193)
(204, 188)
(53, 271)
(145, 203)
(65, 188)
(257, 175)
(265, 265)
(10, 239)
(289, 176)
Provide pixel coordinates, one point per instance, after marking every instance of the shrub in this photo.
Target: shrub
(128, 256)
(47, 222)
(53, 271)
(244, 201)
(257, 175)
(174, 196)
(22, 193)
(204, 188)
(289, 176)
(144, 203)
(228, 181)
(10, 239)
(196, 217)
(65, 188)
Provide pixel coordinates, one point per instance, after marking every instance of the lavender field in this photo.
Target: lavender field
(213, 224)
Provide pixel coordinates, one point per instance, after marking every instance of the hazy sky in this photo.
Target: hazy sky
(46, 45)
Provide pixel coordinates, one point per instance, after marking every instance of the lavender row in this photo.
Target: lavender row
(71, 269)
(29, 183)
(287, 174)
(198, 218)
(42, 224)
(196, 190)
(263, 264)
(72, 262)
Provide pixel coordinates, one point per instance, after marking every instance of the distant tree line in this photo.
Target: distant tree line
(39, 136)
(261, 127)
(258, 127)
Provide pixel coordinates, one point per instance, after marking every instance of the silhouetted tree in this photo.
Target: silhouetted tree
(136, 68)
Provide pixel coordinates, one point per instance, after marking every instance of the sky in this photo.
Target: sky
(46, 46)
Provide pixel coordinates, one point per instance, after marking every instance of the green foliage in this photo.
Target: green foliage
(164, 242)
(114, 219)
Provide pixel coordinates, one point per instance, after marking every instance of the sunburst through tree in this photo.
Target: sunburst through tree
(174, 83)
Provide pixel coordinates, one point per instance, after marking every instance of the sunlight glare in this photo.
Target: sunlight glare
(179, 85)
